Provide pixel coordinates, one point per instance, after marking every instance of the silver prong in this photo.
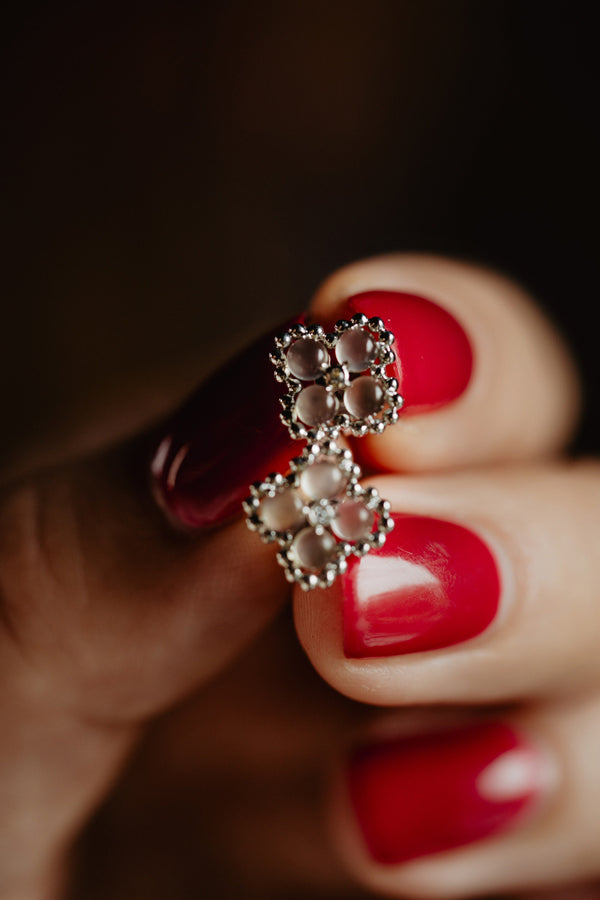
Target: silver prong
(377, 324)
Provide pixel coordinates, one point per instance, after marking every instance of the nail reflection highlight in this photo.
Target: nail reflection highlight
(433, 584)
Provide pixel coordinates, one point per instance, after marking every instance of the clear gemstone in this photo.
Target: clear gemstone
(321, 513)
(307, 359)
(315, 405)
(353, 520)
(283, 511)
(364, 397)
(356, 349)
(311, 550)
(322, 480)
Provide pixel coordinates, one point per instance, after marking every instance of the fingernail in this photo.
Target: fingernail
(230, 434)
(432, 584)
(434, 356)
(426, 794)
(226, 436)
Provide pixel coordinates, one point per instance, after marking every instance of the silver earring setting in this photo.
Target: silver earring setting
(318, 513)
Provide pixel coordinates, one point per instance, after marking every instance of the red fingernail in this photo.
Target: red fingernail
(434, 356)
(425, 794)
(431, 585)
(227, 435)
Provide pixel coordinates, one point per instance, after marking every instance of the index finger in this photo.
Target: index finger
(484, 375)
(484, 378)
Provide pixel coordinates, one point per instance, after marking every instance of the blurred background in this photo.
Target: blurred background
(176, 176)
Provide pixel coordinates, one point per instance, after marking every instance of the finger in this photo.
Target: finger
(249, 787)
(479, 808)
(484, 591)
(483, 375)
(112, 614)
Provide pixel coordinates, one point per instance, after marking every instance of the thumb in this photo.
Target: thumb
(113, 613)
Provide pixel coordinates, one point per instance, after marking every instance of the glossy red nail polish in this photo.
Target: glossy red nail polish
(432, 584)
(430, 793)
(434, 356)
(227, 435)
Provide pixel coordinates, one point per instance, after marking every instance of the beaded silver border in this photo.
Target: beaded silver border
(276, 483)
(336, 377)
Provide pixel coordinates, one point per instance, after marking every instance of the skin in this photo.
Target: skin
(132, 658)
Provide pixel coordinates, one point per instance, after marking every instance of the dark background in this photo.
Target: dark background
(176, 176)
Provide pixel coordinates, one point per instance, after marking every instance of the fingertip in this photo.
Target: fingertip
(484, 375)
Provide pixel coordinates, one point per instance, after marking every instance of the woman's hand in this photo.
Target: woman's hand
(484, 595)
(481, 597)
(107, 619)
(111, 615)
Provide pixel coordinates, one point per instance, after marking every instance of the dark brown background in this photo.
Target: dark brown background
(177, 172)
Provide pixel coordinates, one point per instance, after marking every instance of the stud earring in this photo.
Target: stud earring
(318, 513)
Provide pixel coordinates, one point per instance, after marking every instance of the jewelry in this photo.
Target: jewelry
(318, 513)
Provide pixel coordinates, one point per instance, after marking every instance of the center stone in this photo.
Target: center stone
(321, 513)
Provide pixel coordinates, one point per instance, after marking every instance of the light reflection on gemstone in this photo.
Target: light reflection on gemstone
(364, 397)
(356, 349)
(313, 551)
(322, 480)
(315, 405)
(283, 511)
(353, 520)
(307, 358)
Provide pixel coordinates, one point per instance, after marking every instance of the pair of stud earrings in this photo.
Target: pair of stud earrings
(318, 512)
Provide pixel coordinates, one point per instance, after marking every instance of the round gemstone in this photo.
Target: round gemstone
(364, 397)
(311, 550)
(307, 358)
(356, 349)
(353, 520)
(315, 405)
(283, 511)
(322, 480)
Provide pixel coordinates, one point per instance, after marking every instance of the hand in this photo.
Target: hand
(111, 615)
(473, 612)
(482, 597)
(107, 619)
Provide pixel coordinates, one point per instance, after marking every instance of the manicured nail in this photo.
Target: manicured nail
(432, 584)
(426, 794)
(434, 356)
(227, 435)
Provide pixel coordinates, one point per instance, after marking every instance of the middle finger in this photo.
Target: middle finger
(484, 591)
